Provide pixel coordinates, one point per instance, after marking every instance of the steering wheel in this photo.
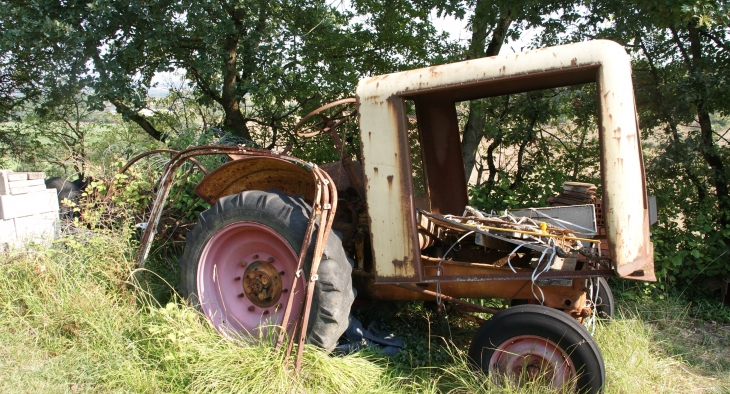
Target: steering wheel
(328, 120)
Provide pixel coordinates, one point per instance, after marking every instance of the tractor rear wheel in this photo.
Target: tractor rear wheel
(534, 342)
(241, 258)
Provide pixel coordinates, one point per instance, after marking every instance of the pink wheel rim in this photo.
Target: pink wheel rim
(532, 357)
(219, 279)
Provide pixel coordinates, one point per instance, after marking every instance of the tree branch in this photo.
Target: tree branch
(137, 118)
(682, 50)
(715, 39)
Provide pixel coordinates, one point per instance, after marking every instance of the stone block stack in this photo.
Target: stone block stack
(28, 211)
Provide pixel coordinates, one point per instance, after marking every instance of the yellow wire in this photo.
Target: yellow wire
(562, 236)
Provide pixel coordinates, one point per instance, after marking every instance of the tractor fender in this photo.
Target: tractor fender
(256, 173)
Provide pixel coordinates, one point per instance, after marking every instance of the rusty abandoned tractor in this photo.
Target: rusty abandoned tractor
(286, 243)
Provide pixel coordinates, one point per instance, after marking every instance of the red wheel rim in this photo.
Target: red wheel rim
(222, 266)
(532, 357)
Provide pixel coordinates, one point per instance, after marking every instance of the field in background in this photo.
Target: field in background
(77, 318)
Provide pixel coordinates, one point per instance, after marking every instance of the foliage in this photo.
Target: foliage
(257, 63)
(536, 142)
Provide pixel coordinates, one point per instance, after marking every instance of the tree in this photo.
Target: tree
(259, 61)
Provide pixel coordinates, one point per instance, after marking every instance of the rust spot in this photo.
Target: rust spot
(398, 263)
(574, 62)
(376, 170)
(255, 173)
(390, 180)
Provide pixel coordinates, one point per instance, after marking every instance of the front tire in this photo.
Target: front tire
(604, 303)
(240, 259)
(534, 341)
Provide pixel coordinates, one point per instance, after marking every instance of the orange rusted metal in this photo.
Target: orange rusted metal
(256, 173)
(566, 298)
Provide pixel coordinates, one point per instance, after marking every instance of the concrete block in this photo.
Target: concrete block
(34, 228)
(22, 188)
(7, 231)
(18, 189)
(37, 175)
(28, 183)
(37, 188)
(17, 176)
(49, 215)
(4, 187)
(28, 204)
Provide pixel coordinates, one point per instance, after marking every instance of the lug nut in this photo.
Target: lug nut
(285, 291)
(281, 273)
(243, 263)
(270, 260)
(278, 306)
(237, 278)
(241, 295)
(266, 312)
(251, 308)
(255, 256)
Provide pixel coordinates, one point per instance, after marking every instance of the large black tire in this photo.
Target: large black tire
(281, 218)
(562, 337)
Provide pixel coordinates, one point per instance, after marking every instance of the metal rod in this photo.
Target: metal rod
(167, 179)
(519, 276)
(328, 209)
(300, 265)
(151, 152)
(451, 299)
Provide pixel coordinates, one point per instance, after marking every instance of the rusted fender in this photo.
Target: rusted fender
(256, 173)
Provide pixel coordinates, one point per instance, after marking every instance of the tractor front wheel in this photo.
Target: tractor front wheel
(537, 343)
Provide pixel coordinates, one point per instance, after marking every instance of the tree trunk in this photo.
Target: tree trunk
(708, 148)
(234, 120)
(474, 129)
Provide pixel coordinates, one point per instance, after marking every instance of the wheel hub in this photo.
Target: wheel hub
(532, 358)
(262, 283)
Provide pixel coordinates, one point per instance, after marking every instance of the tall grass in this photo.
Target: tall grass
(75, 318)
